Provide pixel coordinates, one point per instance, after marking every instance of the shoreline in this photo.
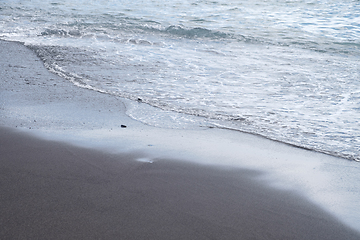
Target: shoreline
(80, 127)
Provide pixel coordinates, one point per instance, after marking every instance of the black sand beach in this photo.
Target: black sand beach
(54, 190)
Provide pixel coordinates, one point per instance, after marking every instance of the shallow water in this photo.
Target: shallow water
(286, 70)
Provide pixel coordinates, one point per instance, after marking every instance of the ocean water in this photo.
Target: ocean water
(288, 70)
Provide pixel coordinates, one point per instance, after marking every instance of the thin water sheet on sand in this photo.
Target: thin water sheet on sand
(55, 190)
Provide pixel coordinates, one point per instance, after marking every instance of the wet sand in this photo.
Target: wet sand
(52, 190)
(56, 190)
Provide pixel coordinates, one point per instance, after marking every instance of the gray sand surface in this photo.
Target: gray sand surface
(55, 190)
(51, 190)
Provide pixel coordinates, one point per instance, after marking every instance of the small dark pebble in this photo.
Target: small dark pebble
(239, 119)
